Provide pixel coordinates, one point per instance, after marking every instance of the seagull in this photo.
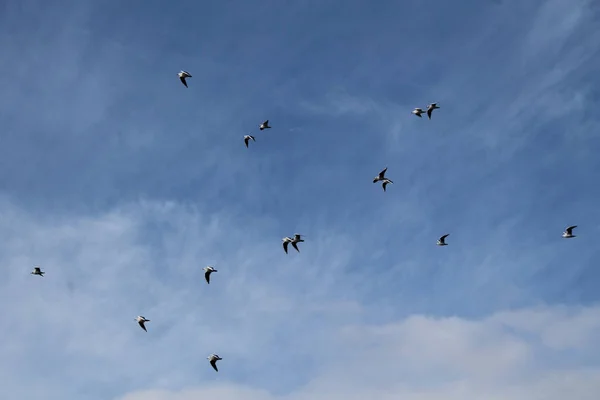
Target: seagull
(442, 241)
(182, 75)
(418, 112)
(213, 358)
(380, 176)
(264, 125)
(297, 239)
(141, 320)
(430, 109)
(286, 240)
(37, 271)
(385, 183)
(247, 138)
(207, 271)
(568, 233)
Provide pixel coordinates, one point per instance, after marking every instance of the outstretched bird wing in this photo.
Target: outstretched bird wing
(285, 246)
(141, 323)
(382, 173)
(182, 79)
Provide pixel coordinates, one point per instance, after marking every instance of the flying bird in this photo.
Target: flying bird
(442, 241)
(381, 177)
(213, 358)
(430, 109)
(182, 75)
(247, 139)
(141, 321)
(297, 239)
(207, 271)
(264, 125)
(418, 112)
(286, 241)
(568, 233)
(37, 271)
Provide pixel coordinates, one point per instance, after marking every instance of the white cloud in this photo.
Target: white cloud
(424, 358)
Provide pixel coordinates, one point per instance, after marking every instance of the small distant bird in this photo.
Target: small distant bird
(207, 271)
(294, 241)
(265, 125)
(442, 241)
(418, 112)
(182, 75)
(213, 358)
(247, 138)
(37, 271)
(286, 241)
(568, 233)
(141, 320)
(381, 177)
(430, 109)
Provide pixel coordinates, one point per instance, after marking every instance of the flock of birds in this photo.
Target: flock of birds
(297, 238)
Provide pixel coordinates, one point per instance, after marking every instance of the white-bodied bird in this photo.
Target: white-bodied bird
(247, 138)
(207, 271)
(568, 233)
(264, 125)
(213, 358)
(182, 75)
(381, 177)
(142, 321)
(294, 241)
(430, 109)
(442, 241)
(418, 111)
(37, 271)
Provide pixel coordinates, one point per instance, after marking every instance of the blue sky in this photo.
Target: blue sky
(122, 184)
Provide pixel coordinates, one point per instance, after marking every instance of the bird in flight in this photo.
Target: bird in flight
(213, 358)
(182, 75)
(142, 321)
(247, 139)
(207, 271)
(418, 112)
(381, 178)
(294, 241)
(264, 125)
(37, 271)
(568, 233)
(430, 109)
(442, 241)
